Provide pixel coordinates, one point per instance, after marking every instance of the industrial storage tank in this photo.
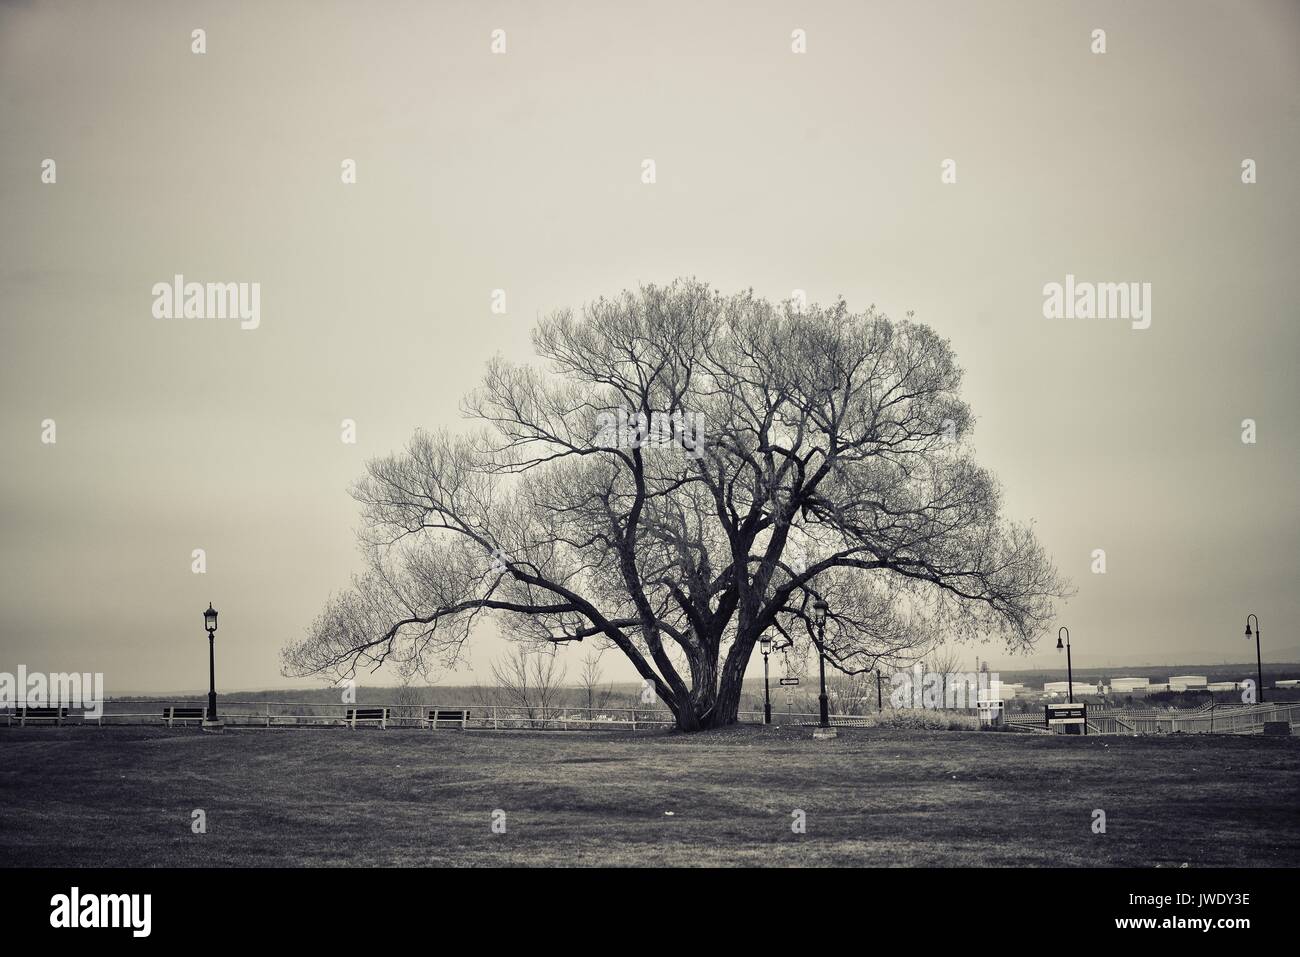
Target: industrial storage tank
(1128, 685)
(1062, 687)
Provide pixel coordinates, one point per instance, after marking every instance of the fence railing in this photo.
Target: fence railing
(1235, 719)
(273, 714)
(1230, 719)
(283, 714)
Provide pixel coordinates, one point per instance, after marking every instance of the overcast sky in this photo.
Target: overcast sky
(775, 170)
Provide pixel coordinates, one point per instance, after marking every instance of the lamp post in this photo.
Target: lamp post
(765, 645)
(819, 616)
(210, 623)
(1069, 669)
(1259, 662)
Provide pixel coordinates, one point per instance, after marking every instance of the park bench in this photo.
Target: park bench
(172, 715)
(377, 716)
(26, 714)
(459, 715)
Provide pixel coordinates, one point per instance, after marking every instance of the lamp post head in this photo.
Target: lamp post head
(1059, 644)
(210, 619)
(765, 642)
(819, 611)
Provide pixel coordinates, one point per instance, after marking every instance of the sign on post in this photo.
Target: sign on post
(1066, 714)
(789, 681)
(990, 712)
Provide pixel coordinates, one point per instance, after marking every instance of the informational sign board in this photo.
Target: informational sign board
(789, 681)
(1066, 714)
(990, 712)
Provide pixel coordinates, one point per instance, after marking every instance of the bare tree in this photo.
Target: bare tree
(407, 701)
(590, 680)
(852, 694)
(944, 660)
(690, 472)
(531, 681)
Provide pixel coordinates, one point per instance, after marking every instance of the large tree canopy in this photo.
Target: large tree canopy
(689, 471)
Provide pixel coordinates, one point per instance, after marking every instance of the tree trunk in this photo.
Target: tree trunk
(726, 707)
(707, 708)
(687, 719)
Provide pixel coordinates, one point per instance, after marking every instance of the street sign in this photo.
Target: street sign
(789, 681)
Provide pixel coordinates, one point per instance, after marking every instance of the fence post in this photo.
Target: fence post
(495, 726)
(634, 719)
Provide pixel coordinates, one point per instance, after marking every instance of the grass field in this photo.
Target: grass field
(124, 797)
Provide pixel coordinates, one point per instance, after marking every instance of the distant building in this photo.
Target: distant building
(1187, 682)
(1129, 685)
(1161, 687)
(1223, 686)
(1063, 687)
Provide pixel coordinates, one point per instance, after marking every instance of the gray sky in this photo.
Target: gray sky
(818, 171)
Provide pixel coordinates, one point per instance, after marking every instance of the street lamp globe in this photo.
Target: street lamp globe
(210, 619)
(819, 611)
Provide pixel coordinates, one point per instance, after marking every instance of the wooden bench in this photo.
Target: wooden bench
(459, 715)
(377, 716)
(26, 714)
(172, 715)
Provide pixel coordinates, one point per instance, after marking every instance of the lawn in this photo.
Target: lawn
(124, 797)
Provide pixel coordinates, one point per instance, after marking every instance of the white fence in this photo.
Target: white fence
(280, 714)
(289, 714)
(1207, 719)
(1238, 719)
